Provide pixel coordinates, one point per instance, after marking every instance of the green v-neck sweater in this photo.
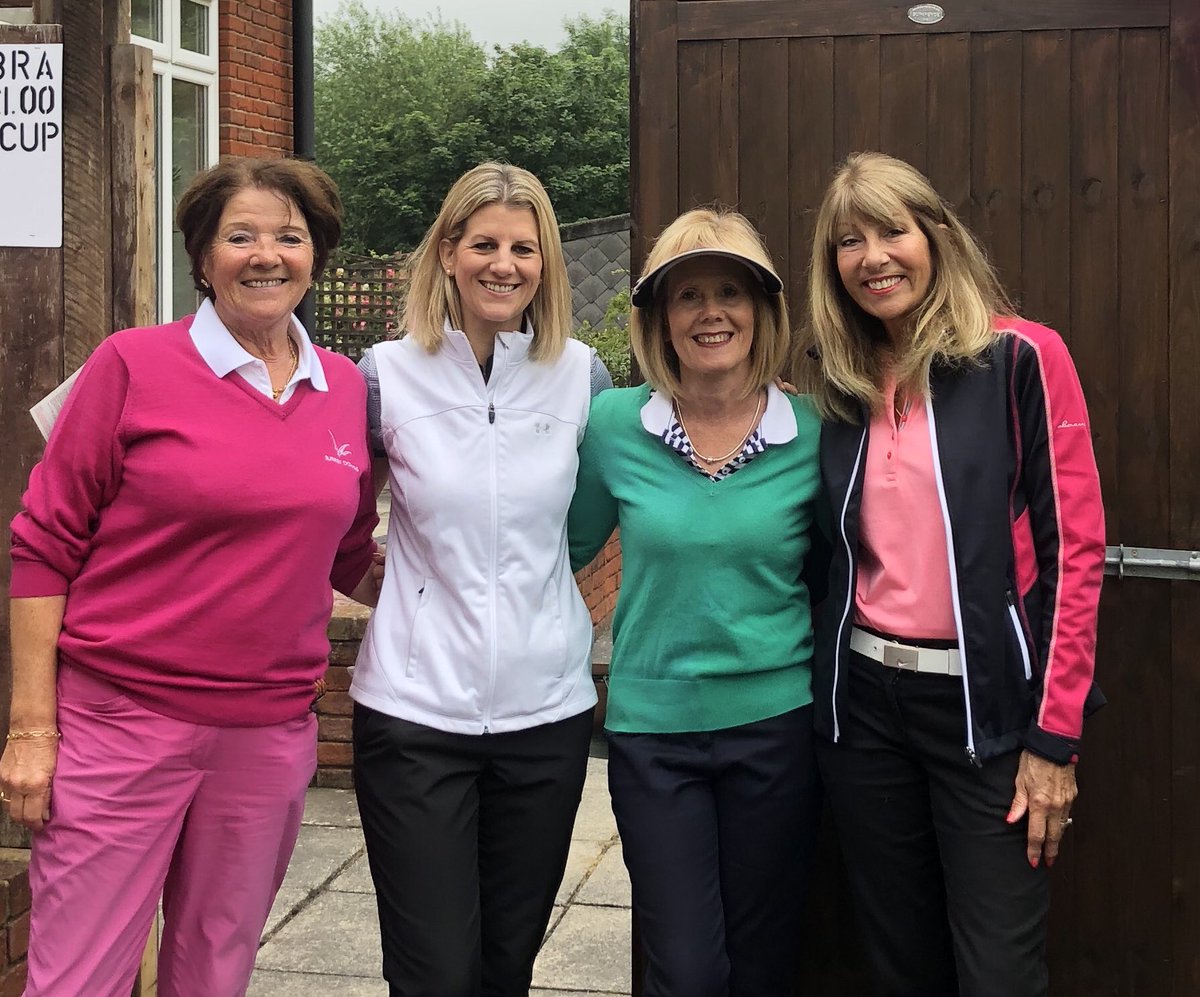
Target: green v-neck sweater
(712, 627)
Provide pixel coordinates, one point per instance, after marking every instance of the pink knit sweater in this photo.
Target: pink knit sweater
(195, 527)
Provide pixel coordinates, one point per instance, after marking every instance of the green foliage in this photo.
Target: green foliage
(611, 338)
(404, 107)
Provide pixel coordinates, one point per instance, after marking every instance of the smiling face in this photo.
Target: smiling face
(497, 268)
(885, 268)
(260, 262)
(710, 316)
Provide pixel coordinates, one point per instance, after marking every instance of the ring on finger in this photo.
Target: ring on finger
(1067, 821)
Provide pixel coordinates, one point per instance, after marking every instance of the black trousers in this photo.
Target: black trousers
(467, 839)
(718, 830)
(946, 901)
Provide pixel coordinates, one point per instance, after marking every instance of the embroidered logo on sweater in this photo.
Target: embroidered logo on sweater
(341, 454)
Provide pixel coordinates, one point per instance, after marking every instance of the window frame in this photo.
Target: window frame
(173, 62)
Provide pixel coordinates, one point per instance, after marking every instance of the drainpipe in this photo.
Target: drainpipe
(303, 142)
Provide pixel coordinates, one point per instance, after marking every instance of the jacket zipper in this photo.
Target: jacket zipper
(493, 544)
(952, 563)
(850, 572)
(1016, 625)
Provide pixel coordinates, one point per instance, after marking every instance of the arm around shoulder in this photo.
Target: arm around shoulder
(594, 513)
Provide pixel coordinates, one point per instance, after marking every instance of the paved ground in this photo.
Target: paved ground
(322, 937)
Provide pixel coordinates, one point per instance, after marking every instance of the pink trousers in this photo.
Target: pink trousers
(144, 806)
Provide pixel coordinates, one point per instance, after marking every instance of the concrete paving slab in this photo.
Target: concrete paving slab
(320, 852)
(608, 885)
(574, 993)
(337, 934)
(356, 878)
(595, 821)
(581, 860)
(331, 807)
(587, 951)
(270, 983)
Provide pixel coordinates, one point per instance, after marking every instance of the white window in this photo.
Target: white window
(182, 34)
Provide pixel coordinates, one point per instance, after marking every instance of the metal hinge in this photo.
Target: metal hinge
(1151, 562)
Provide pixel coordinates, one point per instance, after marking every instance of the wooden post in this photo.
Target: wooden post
(134, 211)
(31, 309)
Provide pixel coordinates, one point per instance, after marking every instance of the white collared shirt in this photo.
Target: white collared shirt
(223, 354)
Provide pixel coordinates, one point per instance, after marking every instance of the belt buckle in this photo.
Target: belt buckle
(900, 657)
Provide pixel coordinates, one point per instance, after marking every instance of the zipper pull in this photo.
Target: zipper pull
(974, 758)
(491, 413)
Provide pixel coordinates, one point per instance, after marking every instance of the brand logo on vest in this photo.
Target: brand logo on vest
(341, 454)
(541, 428)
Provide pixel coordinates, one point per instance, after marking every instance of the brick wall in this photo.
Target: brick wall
(334, 753)
(14, 911)
(255, 90)
(598, 582)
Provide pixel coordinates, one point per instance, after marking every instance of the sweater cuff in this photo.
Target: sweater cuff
(33, 580)
(1052, 747)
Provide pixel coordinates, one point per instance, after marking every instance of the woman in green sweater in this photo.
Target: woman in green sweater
(711, 474)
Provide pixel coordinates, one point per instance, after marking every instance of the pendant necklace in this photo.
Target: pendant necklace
(741, 446)
(276, 392)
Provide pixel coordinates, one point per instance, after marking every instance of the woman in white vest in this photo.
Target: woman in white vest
(473, 691)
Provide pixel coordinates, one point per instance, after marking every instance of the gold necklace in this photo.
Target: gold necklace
(276, 392)
(741, 446)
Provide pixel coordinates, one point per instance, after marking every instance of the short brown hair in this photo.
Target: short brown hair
(306, 184)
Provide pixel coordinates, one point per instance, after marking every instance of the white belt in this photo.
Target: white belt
(905, 656)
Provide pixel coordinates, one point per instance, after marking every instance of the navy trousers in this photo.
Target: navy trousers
(467, 839)
(718, 831)
(945, 899)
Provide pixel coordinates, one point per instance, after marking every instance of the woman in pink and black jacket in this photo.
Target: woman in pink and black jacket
(955, 651)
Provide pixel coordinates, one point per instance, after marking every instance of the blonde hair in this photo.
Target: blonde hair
(718, 227)
(432, 294)
(845, 350)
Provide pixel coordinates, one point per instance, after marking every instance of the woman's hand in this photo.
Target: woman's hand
(1045, 791)
(26, 771)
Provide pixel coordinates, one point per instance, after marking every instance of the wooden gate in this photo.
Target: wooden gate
(1067, 133)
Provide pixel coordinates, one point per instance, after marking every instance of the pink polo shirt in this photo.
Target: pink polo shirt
(903, 585)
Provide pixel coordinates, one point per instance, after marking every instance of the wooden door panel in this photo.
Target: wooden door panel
(709, 85)
(810, 153)
(1093, 329)
(855, 94)
(995, 143)
(949, 125)
(1142, 344)
(1067, 133)
(1046, 183)
(763, 141)
(903, 97)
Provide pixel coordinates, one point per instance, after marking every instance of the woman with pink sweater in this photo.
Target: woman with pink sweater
(205, 484)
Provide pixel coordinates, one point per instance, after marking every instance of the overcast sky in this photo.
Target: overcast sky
(495, 22)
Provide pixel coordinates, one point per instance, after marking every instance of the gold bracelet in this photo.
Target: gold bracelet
(29, 735)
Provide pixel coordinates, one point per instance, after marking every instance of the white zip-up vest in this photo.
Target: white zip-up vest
(480, 626)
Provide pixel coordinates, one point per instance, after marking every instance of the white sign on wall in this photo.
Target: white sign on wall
(31, 171)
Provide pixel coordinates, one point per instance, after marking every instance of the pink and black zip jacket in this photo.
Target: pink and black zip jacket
(1020, 496)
